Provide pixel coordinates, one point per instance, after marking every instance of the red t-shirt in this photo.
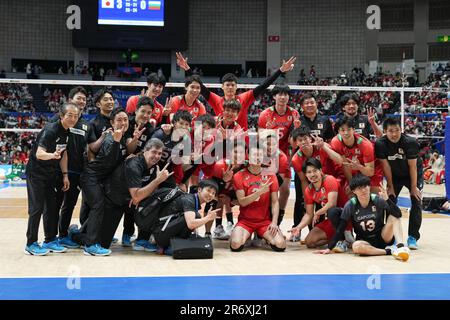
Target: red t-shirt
(299, 158)
(362, 149)
(258, 210)
(270, 119)
(246, 99)
(283, 165)
(179, 103)
(157, 113)
(320, 196)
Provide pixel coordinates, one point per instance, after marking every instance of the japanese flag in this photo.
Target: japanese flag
(108, 4)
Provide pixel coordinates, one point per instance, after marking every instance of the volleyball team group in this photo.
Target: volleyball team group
(348, 173)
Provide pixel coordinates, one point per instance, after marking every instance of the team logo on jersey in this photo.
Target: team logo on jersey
(322, 189)
(289, 118)
(195, 109)
(320, 125)
(247, 177)
(357, 151)
(362, 125)
(374, 208)
(84, 127)
(400, 150)
(143, 137)
(152, 170)
(264, 178)
(157, 110)
(104, 128)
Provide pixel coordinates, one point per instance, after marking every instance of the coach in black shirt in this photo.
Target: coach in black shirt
(349, 103)
(79, 137)
(402, 167)
(112, 153)
(41, 170)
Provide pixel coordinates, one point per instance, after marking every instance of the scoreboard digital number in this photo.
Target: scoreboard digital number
(131, 12)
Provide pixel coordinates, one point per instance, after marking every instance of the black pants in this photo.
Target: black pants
(415, 214)
(84, 210)
(93, 194)
(41, 200)
(299, 206)
(110, 222)
(177, 228)
(128, 221)
(66, 201)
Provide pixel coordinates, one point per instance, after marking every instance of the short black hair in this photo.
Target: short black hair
(359, 180)
(307, 96)
(193, 78)
(144, 101)
(348, 96)
(301, 132)
(115, 112)
(208, 183)
(76, 90)
(229, 77)
(391, 121)
(233, 104)
(208, 119)
(311, 162)
(345, 120)
(182, 115)
(155, 79)
(100, 93)
(280, 88)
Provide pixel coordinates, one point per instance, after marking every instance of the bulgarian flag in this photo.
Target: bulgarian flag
(154, 5)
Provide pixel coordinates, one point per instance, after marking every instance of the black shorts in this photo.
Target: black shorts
(377, 241)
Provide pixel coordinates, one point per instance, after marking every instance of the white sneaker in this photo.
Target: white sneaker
(220, 234)
(400, 253)
(229, 228)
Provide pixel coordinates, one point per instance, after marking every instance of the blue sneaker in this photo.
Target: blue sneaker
(412, 243)
(54, 247)
(68, 243)
(126, 240)
(96, 250)
(144, 245)
(36, 250)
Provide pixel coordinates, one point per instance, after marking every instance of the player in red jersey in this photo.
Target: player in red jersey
(324, 191)
(189, 101)
(358, 152)
(229, 87)
(155, 86)
(256, 193)
(310, 146)
(280, 117)
(223, 172)
(276, 162)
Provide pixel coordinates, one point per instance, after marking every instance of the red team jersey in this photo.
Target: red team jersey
(362, 149)
(320, 196)
(246, 99)
(270, 119)
(157, 113)
(258, 210)
(283, 165)
(196, 109)
(299, 158)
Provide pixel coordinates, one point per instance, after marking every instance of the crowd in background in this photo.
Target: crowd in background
(425, 111)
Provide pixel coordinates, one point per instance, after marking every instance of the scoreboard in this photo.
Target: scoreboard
(131, 12)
